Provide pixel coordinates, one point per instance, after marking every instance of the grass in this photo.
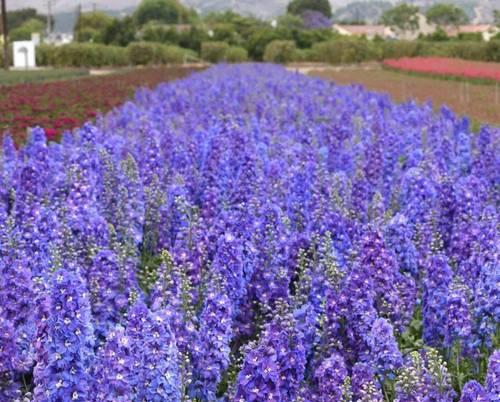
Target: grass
(13, 77)
(481, 103)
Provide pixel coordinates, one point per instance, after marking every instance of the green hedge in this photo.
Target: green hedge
(147, 53)
(236, 54)
(281, 51)
(214, 52)
(81, 55)
(348, 51)
(218, 51)
(98, 55)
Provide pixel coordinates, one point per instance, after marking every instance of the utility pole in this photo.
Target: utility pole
(49, 17)
(5, 31)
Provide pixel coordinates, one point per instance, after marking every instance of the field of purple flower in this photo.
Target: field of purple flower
(249, 234)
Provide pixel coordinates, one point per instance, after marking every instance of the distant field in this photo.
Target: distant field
(480, 102)
(22, 77)
(61, 103)
(447, 68)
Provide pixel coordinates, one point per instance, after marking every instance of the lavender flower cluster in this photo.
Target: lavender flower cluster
(250, 234)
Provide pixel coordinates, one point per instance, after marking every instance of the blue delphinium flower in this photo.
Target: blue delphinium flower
(16, 297)
(398, 235)
(112, 371)
(365, 387)
(424, 377)
(230, 262)
(350, 313)
(458, 321)
(108, 291)
(154, 357)
(394, 292)
(474, 392)
(159, 376)
(493, 376)
(69, 342)
(331, 379)
(9, 387)
(274, 368)
(384, 352)
(486, 304)
(211, 355)
(438, 277)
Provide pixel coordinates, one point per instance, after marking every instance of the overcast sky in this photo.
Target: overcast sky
(65, 5)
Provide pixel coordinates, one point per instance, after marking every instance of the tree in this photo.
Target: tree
(496, 17)
(297, 7)
(403, 17)
(90, 27)
(446, 14)
(290, 22)
(120, 32)
(166, 11)
(17, 18)
(24, 31)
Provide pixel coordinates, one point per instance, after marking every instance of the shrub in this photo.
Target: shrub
(236, 54)
(280, 51)
(82, 55)
(214, 52)
(147, 53)
(347, 51)
(398, 49)
(142, 53)
(493, 50)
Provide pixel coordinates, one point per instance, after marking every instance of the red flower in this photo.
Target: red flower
(447, 66)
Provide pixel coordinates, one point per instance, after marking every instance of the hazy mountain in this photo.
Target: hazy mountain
(369, 10)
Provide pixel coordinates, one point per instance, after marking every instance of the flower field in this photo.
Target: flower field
(63, 105)
(250, 234)
(447, 67)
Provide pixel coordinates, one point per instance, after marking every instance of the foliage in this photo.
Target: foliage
(346, 50)
(214, 52)
(82, 55)
(161, 33)
(164, 11)
(280, 51)
(496, 17)
(24, 31)
(16, 18)
(144, 53)
(90, 27)
(120, 32)
(403, 17)
(236, 54)
(258, 40)
(446, 14)
(297, 7)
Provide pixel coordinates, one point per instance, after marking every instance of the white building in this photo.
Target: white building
(24, 54)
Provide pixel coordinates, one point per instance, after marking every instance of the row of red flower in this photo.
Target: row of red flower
(64, 105)
(447, 67)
